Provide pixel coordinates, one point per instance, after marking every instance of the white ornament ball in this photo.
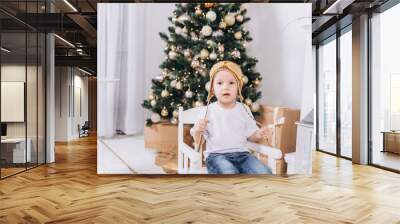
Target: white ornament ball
(239, 18)
(153, 103)
(248, 102)
(174, 120)
(179, 85)
(235, 54)
(222, 25)
(208, 86)
(229, 19)
(218, 33)
(204, 54)
(178, 30)
(189, 94)
(151, 96)
(164, 93)
(173, 83)
(155, 118)
(255, 107)
(175, 113)
(184, 30)
(211, 16)
(186, 53)
(206, 30)
(213, 56)
(173, 19)
(172, 55)
(211, 43)
(245, 79)
(238, 35)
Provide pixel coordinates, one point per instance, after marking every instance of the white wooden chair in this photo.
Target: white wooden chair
(190, 161)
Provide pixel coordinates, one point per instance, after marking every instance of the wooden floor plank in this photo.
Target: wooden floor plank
(70, 191)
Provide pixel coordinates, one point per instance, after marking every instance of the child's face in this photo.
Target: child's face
(225, 87)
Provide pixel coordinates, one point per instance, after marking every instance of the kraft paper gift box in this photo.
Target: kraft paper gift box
(164, 137)
(285, 134)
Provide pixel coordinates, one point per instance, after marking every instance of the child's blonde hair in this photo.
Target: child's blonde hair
(233, 68)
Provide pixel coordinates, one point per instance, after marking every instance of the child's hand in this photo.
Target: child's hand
(200, 126)
(263, 133)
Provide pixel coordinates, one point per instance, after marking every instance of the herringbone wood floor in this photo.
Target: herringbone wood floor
(70, 191)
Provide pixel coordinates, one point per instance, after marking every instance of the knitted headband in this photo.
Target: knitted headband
(233, 68)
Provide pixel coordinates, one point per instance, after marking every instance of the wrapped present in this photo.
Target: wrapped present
(284, 130)
(163, 137)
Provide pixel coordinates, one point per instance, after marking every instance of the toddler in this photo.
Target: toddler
(228, 125)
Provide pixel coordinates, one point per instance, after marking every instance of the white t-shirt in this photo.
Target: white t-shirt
(228, 129)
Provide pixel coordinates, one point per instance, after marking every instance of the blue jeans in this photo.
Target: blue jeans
(235, 163)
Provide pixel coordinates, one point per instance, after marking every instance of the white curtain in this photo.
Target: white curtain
(120, 69)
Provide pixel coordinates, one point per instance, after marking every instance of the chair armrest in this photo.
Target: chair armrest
(274, 153)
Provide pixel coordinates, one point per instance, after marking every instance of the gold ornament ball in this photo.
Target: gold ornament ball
(222, 25)
(239, 18)
(151, 96)
(238, 35)
(204, 54)
(248, 102)
(255, 107)
(179, 85)
(209, 5)
(198, 103)
(164, 112)
(174, 120)
(208, 85)
(245, 79)
(175, 113)
(229, 19)
(164, 93)
(256, 82)
(172, 55)
(198, 12)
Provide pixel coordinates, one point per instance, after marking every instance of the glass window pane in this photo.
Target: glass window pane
(31, 100)
(41, 98)
(13, 86)
(346, 94)
(327, 96)
(385, 84)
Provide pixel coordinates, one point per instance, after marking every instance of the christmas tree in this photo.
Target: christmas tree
(200, 36)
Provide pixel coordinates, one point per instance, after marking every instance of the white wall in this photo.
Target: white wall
(282, 44)
(68, 80)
